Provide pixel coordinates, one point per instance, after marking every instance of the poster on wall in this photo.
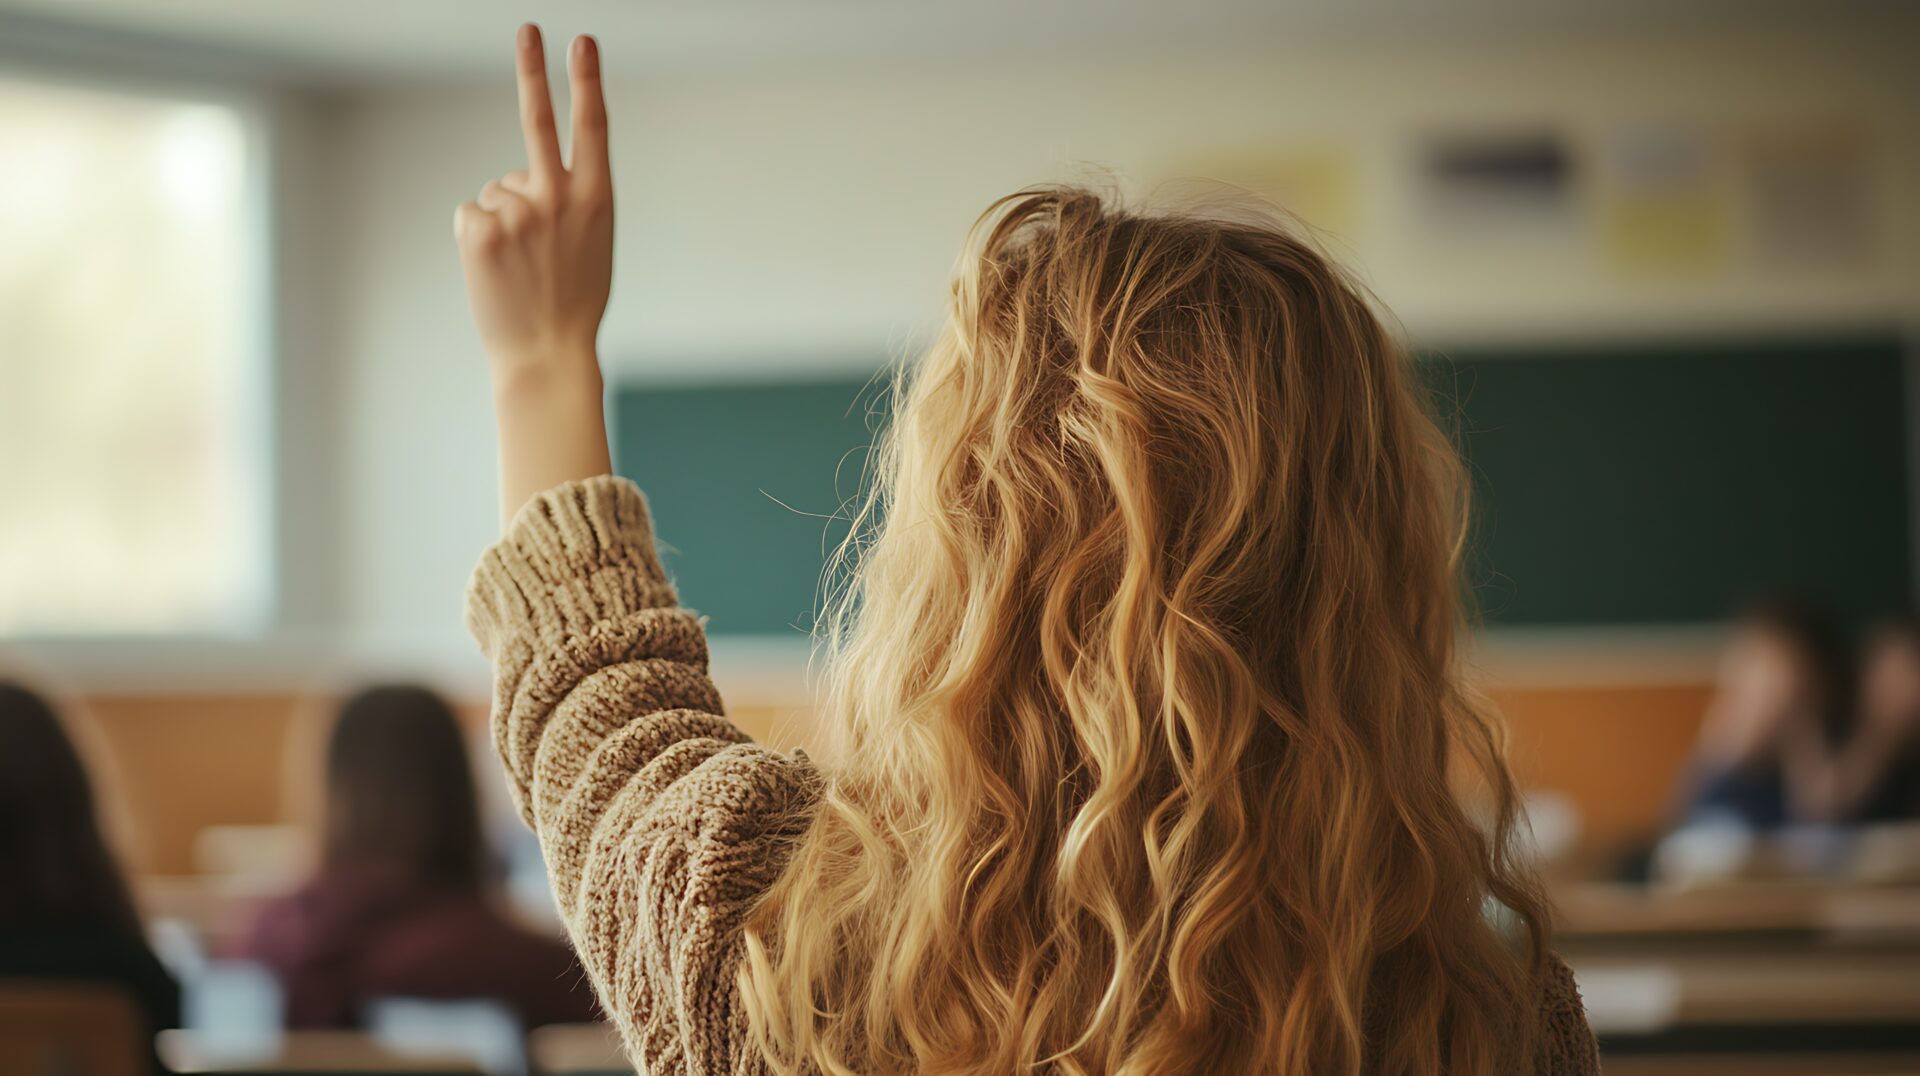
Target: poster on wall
(1665, 203)
(1807, 195)
(1315, 183)
(1494, 185)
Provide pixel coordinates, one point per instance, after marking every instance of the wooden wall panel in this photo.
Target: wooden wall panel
(1617, 751)
(178, 763)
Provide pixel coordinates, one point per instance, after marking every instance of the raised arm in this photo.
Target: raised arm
(537, 247)
(661, 822)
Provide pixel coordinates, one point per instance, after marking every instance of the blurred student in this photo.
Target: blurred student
(65, 913)
(1878, 778)
(1146, 682)
(401, 904)
(1780, 712)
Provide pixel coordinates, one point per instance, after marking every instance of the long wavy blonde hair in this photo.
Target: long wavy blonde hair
(1152, 733)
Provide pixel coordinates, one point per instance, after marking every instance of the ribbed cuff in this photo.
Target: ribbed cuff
(574, 556)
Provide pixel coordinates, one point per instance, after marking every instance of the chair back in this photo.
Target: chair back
(70, 1029)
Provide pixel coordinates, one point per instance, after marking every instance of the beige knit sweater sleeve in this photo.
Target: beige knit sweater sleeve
(661, 821)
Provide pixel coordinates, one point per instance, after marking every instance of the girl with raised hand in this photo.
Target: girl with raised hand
(1146, 681)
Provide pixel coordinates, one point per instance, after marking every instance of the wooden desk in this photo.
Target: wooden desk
(1598, 915)
(1867, 1064)
(217, 909)
(1692, 1006)
(308, 1052)
(1636, 994)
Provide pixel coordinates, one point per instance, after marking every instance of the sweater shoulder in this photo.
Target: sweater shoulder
(1566, 1043)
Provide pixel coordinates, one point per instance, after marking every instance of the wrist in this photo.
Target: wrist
(569, 374)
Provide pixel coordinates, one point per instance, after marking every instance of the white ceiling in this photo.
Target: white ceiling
(358, 41)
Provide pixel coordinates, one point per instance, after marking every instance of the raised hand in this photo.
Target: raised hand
(537, 244)
(537, 249)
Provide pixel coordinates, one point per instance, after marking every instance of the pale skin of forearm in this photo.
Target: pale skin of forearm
(537, 250)
(552, 430)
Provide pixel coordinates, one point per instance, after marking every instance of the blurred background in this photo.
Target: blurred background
(1660, 262)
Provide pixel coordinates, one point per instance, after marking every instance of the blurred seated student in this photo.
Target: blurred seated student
(65, 912)
(1783, 700)
(401, 905)
(1878, 775)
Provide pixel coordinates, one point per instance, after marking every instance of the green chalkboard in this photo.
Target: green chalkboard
(1636, 485)
(748, 482)
(1620, 485)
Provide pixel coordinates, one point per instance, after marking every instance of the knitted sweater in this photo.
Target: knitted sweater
(662, 823)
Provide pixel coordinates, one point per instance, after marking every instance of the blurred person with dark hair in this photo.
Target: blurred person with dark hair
(1780, 711)
(65, 912)
(1878, 777)
(401, 905)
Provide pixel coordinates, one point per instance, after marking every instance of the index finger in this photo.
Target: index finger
(536, 105)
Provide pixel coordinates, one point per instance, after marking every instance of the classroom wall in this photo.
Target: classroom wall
(790, 218)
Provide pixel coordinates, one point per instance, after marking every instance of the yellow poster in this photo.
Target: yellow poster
(1665, 204)
(1314, 183)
